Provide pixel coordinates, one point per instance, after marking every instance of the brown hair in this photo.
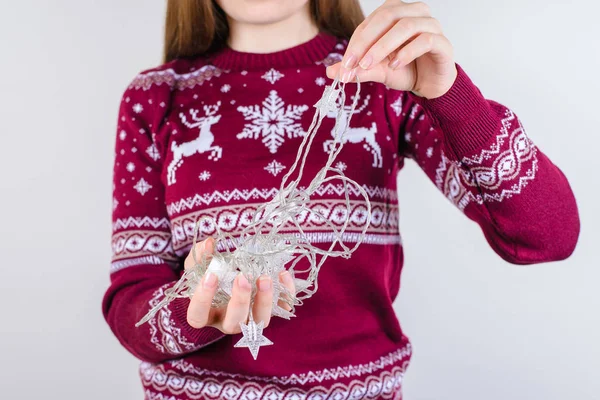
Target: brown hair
(197, 27)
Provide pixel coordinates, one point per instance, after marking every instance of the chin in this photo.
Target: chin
(261, 11)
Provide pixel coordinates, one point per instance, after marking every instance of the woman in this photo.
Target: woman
(211, 132)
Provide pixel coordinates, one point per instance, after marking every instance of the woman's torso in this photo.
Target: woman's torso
(229, 135)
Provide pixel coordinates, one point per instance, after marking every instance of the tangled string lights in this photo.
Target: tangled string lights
(262, 247)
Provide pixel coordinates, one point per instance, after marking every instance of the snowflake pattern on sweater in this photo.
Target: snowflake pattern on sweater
(272, 122)
(212, 137)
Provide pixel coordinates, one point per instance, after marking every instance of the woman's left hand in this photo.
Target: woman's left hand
(403, 47)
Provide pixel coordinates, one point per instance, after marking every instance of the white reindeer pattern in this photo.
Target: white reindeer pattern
(202, 144)
(356, 135)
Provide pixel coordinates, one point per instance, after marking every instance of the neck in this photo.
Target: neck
(272, 37)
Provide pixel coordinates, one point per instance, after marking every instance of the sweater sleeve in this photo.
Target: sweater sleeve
(477, 153)
(143, 261)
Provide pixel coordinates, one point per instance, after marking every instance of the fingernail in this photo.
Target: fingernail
(243, 282)
(366, 61)
(395, 64)
(210, 280)
(347, 77)
(287, 277)
(350, 61)
(264, 283)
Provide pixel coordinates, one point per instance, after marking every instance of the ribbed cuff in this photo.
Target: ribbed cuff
(200, 337)
(463, 114)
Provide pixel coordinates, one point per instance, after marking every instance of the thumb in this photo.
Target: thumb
(203, 248)
(374, 74)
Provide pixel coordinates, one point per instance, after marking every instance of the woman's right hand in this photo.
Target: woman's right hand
(227, 319)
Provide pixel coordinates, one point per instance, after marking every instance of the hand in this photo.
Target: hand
(227, 319)
(403, 47)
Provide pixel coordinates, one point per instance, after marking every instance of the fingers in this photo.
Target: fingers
(263, 301)
(436, 46)
(425, 43)
(375, 26)
(199, 310)
(396, 37)
(238, 307)
(205, 247)
(286, 278)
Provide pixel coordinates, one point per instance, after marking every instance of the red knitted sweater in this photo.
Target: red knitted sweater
(213, 137)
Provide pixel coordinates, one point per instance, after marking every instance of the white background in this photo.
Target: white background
(481, 328)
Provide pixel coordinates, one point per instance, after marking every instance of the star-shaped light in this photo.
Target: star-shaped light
(328, 102)
(253, 338)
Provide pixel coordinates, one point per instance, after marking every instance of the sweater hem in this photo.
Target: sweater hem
(381, 378)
